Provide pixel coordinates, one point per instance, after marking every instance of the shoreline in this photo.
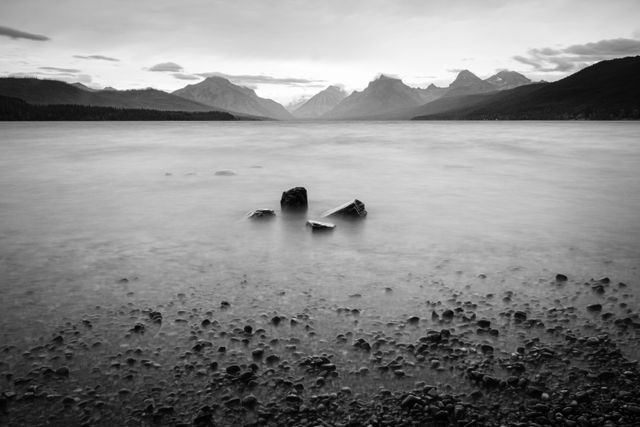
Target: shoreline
(449, 364)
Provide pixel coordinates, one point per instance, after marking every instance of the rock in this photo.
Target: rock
(250, 401)
(261, 214)
(520, 316)
(294, 199)
(561, 278)
(354, 208)
(62, 371)
(447, 314)
(413, 320)
(410, 401)
(293, 398)
(225, 172)
(483, 323)
(320, 226)
(594, 307)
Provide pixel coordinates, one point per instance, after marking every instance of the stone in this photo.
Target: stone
(354, 209)
(294, 199)
(320, 226)
(520, 316)
(225, 172)
(261, 214)
(447, 314)
(561, 278)
(483, 323)
(250, 401)
(594, 307)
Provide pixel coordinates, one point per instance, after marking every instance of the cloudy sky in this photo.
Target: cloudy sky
(290, 48)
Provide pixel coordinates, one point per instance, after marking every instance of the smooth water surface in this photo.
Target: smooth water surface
(84, 205)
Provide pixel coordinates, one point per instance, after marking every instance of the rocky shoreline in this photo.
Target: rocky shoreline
(449, 364)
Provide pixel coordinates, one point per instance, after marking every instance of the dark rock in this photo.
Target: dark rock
(294, 199)
(354, 209)
(261, 214)
(483, 323)
(155, 316)
(447, 314)
(320, 226)
(520, 316)
(413, 320)
(233, 370)
(410, 401)
(594, 307)
(561, 278)
(250, 401)
(293, 398)
(225, 172)
(62, 371)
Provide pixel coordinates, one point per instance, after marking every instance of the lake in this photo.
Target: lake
(101, 220)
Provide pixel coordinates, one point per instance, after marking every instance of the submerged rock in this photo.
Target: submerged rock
(320, 226)
(294, 199)
(261, 214)
(354, 208)
(225, 172)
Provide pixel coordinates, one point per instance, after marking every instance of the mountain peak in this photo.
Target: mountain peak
(218, 92)
(320, 103)
(506, 79)
(464, 78)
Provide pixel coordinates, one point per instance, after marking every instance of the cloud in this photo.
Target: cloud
(167, 67)
(98, 57)
(17, 34)
(575, 57)
(183, 76)
(251, 80)
(61, 70)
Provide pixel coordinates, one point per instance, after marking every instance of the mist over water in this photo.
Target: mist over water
(85, 205)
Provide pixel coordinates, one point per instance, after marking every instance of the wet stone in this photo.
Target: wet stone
(261, 214)
(294, 199)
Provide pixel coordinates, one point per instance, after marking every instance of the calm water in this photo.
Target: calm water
(84, 205)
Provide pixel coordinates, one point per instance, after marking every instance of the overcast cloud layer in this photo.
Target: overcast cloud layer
(291, 48)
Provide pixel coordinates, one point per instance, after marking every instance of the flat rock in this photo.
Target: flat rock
(320, 226)
(261, 214)
(354, 209)
(294, 199)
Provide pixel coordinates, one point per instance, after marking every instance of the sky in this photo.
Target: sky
(289, 49)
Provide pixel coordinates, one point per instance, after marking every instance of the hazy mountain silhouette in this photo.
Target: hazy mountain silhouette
(36, 91)
(606, 90)
(382, 95)
(431, 93)
(15, 109)
(507, 80)
(320, 103)
(83, 87)
(297, 103)
(467, 83)
(220, 93)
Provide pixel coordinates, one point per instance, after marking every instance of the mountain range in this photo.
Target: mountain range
(608, 89)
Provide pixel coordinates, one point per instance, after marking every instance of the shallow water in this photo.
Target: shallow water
(86, 204)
